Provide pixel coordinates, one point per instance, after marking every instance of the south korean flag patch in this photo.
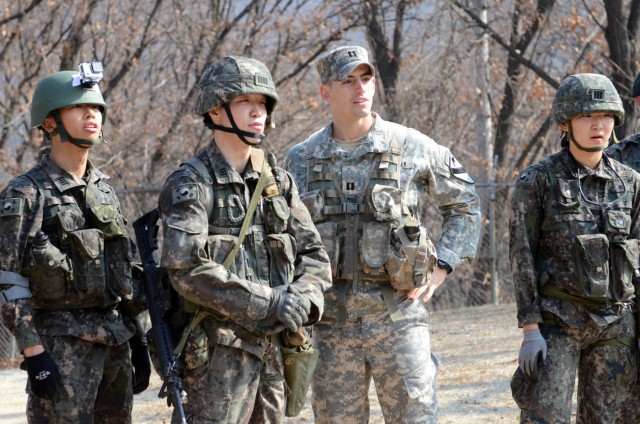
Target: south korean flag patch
(458, 171)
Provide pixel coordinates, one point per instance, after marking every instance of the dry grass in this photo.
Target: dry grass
(478, 348)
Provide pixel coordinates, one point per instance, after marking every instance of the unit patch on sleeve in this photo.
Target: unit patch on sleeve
(458, 170)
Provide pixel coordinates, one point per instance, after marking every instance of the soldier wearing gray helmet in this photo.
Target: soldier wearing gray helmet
(363, 179)
(627, 151)
(575, 240)
(66, 286)
(247, 261)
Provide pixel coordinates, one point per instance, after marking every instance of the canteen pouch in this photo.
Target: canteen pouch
(299, 365)
(592, 262)
(50, 273)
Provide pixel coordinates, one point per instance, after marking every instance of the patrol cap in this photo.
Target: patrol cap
(635, 91)
(337, 64)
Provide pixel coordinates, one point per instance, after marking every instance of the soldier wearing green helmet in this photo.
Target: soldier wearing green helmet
(242, 252)
(66, 286)
(574, 249)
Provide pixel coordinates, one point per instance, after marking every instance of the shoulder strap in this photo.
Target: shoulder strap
(196, 163)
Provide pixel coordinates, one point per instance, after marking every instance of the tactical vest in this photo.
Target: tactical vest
(87, 262)
(359, 229)
(574, 250)
(272, 254)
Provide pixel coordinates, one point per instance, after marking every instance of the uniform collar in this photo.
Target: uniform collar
(224, 174)
(600, 171)
(64, 180)
(373, 142)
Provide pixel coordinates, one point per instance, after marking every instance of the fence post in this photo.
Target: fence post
(492, 232)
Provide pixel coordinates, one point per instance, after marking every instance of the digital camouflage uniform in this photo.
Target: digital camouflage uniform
(627, 151)
(76, 318)
(359, 200)
(238, 376)
(574, 235)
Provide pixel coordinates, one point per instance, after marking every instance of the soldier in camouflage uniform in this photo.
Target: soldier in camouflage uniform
(363, 180)
(65, 268)
(627, 151)
(574, 250)
(234, 370)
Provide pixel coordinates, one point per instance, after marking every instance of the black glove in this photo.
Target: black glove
(44, 376)
(141, 363)
(289, 307)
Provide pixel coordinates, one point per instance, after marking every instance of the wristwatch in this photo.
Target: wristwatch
(442, 264)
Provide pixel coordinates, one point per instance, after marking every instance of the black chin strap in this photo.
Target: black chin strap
(65, 137)
(235, 130)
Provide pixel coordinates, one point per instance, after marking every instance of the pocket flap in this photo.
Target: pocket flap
(283, 242)
(595, 248)
(280, 207)
(88, 241)
(618, 219)
(386, 201)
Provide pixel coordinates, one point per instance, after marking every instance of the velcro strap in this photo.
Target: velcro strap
(13, 279)
(15, 292)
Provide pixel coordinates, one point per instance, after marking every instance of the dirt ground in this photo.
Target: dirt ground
(478, 348)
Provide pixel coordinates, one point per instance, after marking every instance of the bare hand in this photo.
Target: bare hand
(424, 293)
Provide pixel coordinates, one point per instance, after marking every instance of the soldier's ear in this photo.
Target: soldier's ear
(325, 92)
(215, 115)
(49, 124)
(563, 127)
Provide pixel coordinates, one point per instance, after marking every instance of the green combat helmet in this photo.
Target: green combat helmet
(67, 88)
(582, 94)
(229, 77)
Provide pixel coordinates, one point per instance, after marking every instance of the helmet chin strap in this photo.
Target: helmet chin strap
(65, 137)
(581, 147)
(235, 130)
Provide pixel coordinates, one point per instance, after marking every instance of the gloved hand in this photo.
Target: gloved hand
(44, 376)
(532, 350)
(289, 307)
(141, 363)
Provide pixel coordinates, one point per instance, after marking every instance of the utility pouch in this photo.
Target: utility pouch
(314, 201)
(299, 365)
(105, 218)
(87, 251)
(196, 350)
(282, 255)
(277, 214)
(592, 262)
(49, 272)
(624, 263)
(375, 246)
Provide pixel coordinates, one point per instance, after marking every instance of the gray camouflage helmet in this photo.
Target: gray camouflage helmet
(233, 76)
(582, 94)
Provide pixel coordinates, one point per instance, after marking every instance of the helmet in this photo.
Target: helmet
(233, 76)
(582, 94)
(57, 90)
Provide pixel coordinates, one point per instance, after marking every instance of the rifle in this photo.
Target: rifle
(161, 299)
